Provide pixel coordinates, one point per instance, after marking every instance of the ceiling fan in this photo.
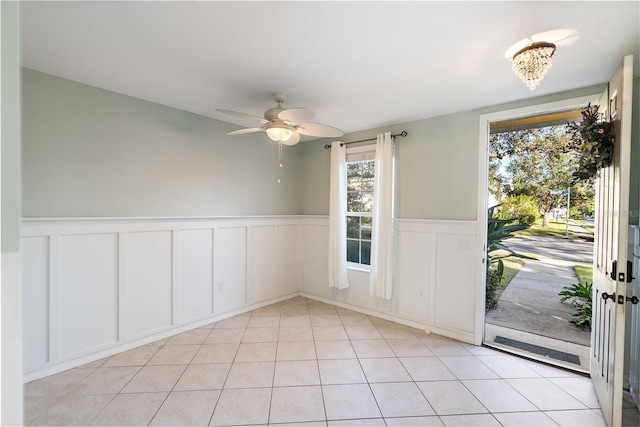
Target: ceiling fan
(285, 125)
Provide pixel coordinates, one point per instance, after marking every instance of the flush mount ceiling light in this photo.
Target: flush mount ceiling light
(532, 62)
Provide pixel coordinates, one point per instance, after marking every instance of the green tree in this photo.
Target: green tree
(536, 162)
(497, 181)
(522, 207)
(583, 200)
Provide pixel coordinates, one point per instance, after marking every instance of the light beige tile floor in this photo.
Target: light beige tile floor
(301, 362)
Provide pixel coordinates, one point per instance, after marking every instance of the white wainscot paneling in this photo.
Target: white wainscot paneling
(288, 260)
(195, 271)
(413, 272)
(93, 287)
(455, 282)
(229, 264)
(97, 286)
(35, 300)
(358, 293)
(315, 258)
(149, 279)
(261, 258)
(316, 270)
(436, 277)
(88, 293)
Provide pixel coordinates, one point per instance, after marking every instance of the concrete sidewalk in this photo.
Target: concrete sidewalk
(530, 304)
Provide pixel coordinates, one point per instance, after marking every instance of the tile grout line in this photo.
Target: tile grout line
(548, 376)
(365, 374)
(228, 373)
(181, 375)
(123, 387)
(273, 375)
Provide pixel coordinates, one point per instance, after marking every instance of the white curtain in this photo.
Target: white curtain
(381, 272)
(337, 218)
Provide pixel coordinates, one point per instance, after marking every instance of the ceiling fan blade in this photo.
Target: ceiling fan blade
(317, 129)
(295, 138)
(296, 115)
(246, 130)
(243, 116)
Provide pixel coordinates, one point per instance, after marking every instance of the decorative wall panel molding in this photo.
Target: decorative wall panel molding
(435, 283)
(95, 287)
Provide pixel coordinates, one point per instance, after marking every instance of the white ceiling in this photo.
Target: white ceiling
(359, 65)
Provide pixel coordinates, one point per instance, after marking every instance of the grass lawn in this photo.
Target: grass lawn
(555, 229)
(511, 267)
(584, 273)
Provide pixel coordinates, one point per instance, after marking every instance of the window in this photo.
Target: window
(360, 176)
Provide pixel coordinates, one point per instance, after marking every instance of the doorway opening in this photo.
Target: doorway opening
(548, 238)
(549, 254)
(615, 346)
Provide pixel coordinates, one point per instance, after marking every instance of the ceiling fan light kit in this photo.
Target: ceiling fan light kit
(279, 132)
(532, 62)
(285, 125)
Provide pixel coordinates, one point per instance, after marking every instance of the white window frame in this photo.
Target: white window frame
(361, 153)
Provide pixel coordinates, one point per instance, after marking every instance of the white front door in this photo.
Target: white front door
(610, 250)
(634, 344)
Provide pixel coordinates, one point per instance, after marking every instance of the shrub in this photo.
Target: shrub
(493, 281)
(580, 295)
(497, 231)
(521, 207)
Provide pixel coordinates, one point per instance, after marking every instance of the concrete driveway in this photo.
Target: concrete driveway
(531, 302)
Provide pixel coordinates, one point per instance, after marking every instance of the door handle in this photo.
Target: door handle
(606, 296)
(634, 299)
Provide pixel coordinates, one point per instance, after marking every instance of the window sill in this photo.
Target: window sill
(360, 268)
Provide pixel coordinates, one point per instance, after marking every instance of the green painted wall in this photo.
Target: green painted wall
(10, 128)
(88, 152)
(437, 163)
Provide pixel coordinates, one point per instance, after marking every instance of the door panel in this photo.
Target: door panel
(611, 225)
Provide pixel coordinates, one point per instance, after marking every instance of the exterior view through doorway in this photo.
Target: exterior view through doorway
(612, 351)
(530, 181)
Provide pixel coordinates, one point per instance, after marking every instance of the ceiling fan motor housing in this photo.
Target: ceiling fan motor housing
(272, 113)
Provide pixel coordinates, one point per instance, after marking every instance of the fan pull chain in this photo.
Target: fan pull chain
(279, 161)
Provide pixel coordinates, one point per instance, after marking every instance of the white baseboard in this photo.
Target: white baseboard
(429, 329)
(80, 361)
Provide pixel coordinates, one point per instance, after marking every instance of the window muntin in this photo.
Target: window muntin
(360, 177)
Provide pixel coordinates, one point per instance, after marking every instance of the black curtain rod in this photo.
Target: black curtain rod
(402, 134)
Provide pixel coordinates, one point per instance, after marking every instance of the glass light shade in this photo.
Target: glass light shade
(533, 62)
(279, 133)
